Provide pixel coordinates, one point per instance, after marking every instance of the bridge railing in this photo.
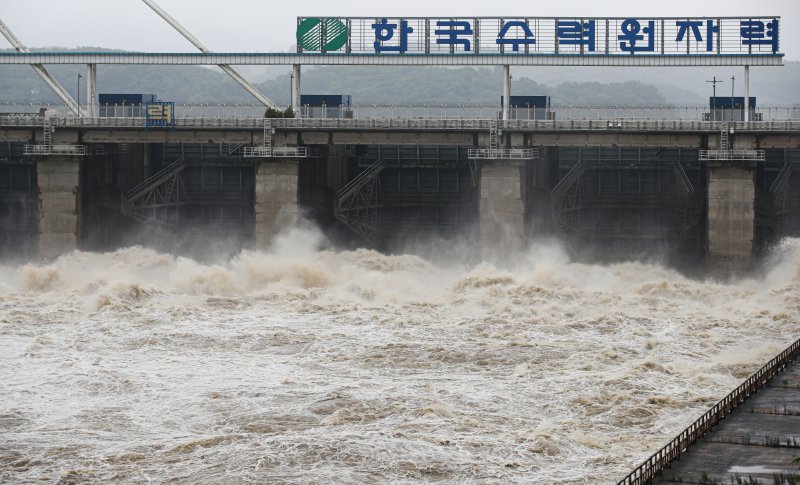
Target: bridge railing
(662, 458)
(412, 124)
(426, 111)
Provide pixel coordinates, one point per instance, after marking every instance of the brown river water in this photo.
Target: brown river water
(299, 365)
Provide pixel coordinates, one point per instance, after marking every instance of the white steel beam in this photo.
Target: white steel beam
(506, 91)
(41, 71)
(334, 59)
(296, 89)
(747, 93)
(91, 90)
(225, 67)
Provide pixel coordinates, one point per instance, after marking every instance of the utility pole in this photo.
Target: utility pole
(714, 82)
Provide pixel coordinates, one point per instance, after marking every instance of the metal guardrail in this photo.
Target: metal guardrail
(752, 155)
(78, 150)
(659, 460)
(412, 124)
(502, 153)
(533, 125)
(269, 152)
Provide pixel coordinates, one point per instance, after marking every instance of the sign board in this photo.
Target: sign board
(539, 36)
(160, 113)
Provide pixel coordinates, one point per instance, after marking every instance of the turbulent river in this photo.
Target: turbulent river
(298, 365)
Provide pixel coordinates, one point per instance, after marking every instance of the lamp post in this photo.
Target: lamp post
(714, 82)
(733, 83)
(79, 95)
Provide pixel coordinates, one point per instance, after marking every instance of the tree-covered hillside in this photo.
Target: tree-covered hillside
(412, 84)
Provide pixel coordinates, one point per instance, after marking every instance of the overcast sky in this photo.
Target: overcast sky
(268, 25)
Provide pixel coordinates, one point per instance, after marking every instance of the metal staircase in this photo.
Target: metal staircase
(723, 138)
(48, 133)
(157, 199)
(493, 135)
(268, 134)
(357, 203)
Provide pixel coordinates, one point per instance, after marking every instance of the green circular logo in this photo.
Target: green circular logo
(321, 34)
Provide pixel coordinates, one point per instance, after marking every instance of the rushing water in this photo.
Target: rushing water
(305, 366)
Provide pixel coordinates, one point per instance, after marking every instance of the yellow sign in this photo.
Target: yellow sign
(159, 112)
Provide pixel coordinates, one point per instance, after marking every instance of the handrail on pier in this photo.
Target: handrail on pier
(662, 458)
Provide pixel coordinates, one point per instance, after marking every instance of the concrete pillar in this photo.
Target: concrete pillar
(730, 224)
(746, 93)
(506, 91)
(296, 89)
(502, 210)
(58, 182)
(275, 198)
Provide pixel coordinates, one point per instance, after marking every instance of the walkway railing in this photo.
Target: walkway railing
(435, 111)
(502, 153)
(749, 155)
(622, 125)
(661, 459)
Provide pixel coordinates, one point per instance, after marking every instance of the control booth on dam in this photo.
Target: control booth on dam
(712, 188)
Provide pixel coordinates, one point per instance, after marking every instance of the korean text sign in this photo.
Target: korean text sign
(540, 36)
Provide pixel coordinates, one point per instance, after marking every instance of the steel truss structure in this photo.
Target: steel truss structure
(357, 203)
(566, 201)
(157, 199)
(781, 198)
(685, 203)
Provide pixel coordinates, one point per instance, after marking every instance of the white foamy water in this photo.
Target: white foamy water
(305, 366)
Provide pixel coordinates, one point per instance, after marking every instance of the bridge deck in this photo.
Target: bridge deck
(760, 439)
(400, 124)
(311, 58)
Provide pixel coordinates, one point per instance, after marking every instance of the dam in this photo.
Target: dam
(700, 191)
(521, 292)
